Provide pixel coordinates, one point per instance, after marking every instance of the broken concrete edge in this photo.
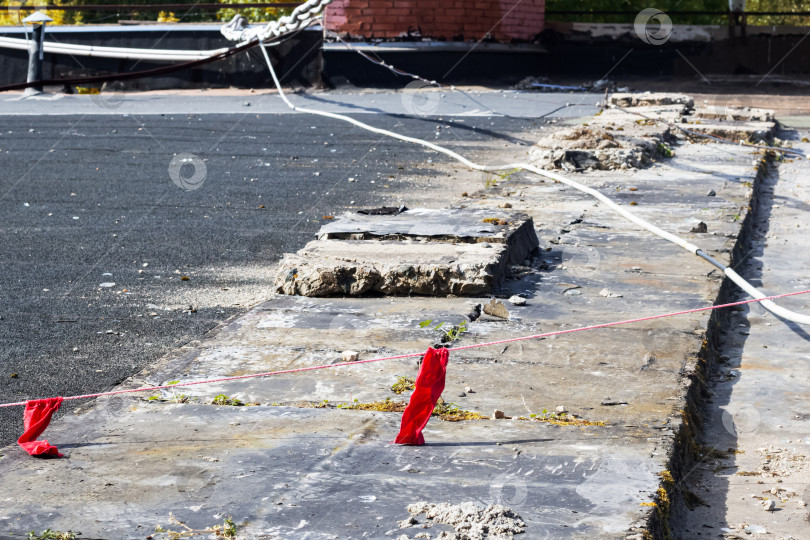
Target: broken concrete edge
(686, 449)
(334, 267)
(645, 99)
(486, 225)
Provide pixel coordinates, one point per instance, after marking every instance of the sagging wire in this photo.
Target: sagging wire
(403, 73)
(688, 246)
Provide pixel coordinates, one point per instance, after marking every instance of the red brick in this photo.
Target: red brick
(440, 18)
(444, 19)
(385, 19)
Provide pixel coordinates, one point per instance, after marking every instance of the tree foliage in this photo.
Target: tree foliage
(672, 7)
(13, 11)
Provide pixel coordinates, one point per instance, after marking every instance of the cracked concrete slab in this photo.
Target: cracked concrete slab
(434, 252)
(317, 470)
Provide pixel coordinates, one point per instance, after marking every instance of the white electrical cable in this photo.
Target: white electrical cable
(113, 52)
(736, 278)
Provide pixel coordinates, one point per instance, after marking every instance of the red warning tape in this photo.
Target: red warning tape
(413, 355)
(428, 389)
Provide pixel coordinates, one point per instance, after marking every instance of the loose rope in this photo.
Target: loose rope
(413, 355)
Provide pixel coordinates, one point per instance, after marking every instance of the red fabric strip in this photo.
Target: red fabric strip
(428, 390)
(37, 416)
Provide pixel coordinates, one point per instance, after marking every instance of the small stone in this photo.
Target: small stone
(769, 505)
(560, 409)
(506, 205)
(711, 193)
(462, 394)
(350, 356)
(496, 309)
(75, 349)
(700, 228)
(498, 414)
(516, 300)
(468, 389)
(608, 294)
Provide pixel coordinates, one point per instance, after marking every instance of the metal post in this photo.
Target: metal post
(35, 55)
(36, 49)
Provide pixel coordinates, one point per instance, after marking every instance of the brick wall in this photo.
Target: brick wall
(469, 20)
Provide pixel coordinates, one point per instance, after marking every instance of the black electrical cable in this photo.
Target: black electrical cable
(132, 75)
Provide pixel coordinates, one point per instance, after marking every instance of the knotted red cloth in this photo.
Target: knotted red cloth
(36, 418)
(429, 387)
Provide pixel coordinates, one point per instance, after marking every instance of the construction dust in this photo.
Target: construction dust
(470, 521)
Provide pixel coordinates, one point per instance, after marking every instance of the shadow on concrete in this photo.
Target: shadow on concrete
(427, 119)
(723, 428)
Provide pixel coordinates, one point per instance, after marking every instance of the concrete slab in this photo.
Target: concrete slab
(750, 131)
(332, 469)
(455, 225)
(423, 251)
(732, 113)
(283, 472)
(358, 267)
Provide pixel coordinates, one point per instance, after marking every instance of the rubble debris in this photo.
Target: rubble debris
(608, 294)
(649, 99)
(471, 521)
(496, 309)
(517, 300)
(350, 356)
(604, 145)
